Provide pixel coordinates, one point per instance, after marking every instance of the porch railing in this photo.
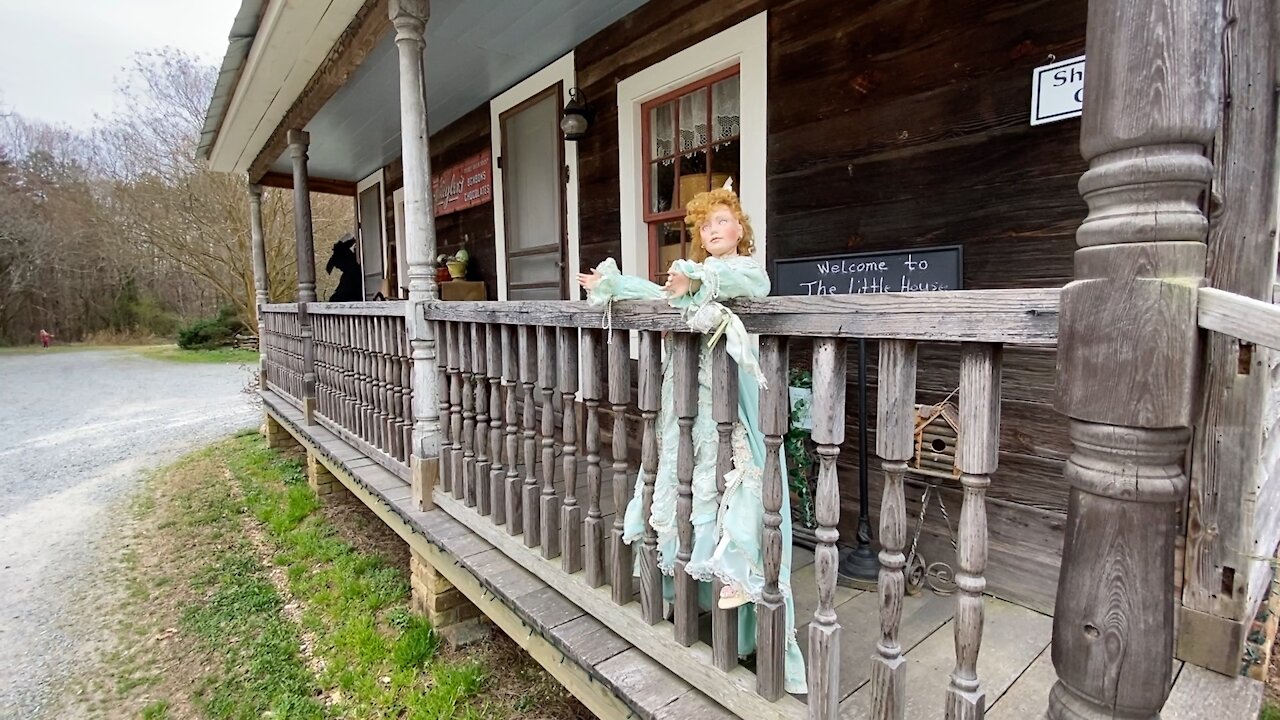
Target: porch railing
(502, 365)
(363, 392)
(283, 342)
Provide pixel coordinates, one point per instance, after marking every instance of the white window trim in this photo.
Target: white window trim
(745, 44)
(402, 261)
(561, 71)
(365, 184)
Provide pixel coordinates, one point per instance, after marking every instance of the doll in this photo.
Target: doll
(727, 535)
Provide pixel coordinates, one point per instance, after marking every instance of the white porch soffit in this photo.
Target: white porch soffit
(292, 39)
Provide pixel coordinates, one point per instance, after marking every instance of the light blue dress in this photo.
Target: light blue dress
(727, 537)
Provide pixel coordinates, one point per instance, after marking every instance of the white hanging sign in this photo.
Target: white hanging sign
(1057, 91)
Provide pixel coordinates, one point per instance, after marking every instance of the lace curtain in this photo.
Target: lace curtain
(693, 132)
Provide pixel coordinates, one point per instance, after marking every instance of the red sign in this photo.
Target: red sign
(466, 184)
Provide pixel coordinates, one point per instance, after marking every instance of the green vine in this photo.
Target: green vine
(800, 458)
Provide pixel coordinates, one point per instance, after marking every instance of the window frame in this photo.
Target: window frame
(655, 220)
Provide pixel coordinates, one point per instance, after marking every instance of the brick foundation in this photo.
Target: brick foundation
(278, 438)
(320, 479)
(450, 612)
(1260, 643)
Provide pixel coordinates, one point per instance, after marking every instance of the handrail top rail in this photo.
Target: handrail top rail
(1015, 316)
(289, 307)
(381, 308)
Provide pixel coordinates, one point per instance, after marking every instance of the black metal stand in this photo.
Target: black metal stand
(859, 567)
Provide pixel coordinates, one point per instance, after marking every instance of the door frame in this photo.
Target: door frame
(402, 260)
(376, 178)
(560, 72)
(556, 91)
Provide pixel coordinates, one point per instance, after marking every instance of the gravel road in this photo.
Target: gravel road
(78, 430)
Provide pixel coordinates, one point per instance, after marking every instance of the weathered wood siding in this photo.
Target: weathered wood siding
(472, 227)
(900, 125)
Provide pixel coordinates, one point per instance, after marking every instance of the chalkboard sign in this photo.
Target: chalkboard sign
(923, 270)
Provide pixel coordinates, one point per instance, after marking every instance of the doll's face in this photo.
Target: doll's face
(720, 232)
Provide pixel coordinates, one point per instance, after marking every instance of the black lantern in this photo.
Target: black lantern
(577, 116)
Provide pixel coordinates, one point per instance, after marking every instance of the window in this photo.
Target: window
(692, 140)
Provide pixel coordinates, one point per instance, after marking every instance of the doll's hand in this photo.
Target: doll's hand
(589, 280)
(677, 284)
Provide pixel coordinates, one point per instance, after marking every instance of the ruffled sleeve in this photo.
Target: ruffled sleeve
(616, 286)
(722, 280)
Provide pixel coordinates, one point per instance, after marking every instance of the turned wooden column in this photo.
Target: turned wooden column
(261, 280)
(1128, 349)
(410, 20)
(306, 261)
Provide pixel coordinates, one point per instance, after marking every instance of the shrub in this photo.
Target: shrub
(211, 333)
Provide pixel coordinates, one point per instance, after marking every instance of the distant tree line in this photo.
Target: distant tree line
(119, 232)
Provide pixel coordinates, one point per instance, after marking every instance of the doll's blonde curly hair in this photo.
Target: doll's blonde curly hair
(701, 207)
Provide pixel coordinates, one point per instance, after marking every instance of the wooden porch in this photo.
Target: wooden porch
(527, 507)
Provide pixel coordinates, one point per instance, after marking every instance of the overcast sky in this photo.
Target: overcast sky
(60, 59)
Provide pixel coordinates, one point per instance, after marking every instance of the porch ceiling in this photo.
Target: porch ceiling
(474, 51)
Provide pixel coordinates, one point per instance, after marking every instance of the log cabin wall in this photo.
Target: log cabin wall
(896, 125)
(472, 227)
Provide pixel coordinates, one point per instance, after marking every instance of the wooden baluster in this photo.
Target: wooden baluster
(592, 392)
(510, 376)
(366, 380)
(378, 436)
(406, 391)
(549, 509)
(389, 375)
(467, 364)
(528, 358)
(895, 445)
(977, 453)
(828, 433)
(455, 411)
(685, 369)
(443, 391)
(621, 563)
(724, 408)
(497, 471)
(649, 399)
(478, 358)
(570, 511)
(771, 611)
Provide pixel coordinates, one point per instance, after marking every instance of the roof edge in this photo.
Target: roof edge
(244, 30)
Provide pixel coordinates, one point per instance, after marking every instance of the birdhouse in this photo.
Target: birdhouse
(937, 429)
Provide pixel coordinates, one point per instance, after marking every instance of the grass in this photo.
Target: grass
(1270, 712)
(248, 598)
(174, 353)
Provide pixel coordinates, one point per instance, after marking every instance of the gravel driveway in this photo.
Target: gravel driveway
(78, 430)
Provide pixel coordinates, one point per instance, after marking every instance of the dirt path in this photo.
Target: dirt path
(77, 431)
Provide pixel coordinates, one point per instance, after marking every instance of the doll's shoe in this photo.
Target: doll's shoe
(732, 597)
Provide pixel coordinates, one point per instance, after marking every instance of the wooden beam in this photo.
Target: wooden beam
(362, 35)
(328, 186)
(1017, 317)
(1251, 321)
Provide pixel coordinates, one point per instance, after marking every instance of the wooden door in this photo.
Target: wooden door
(533, 173)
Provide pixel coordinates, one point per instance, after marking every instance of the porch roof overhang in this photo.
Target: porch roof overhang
(474, 51)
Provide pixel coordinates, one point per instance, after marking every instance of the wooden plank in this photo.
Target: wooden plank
(1201, 694)
(621, 560)
(735, 690)
(724, 408)
(770, 610)
(1016, 638)
(547, 608)
(1250, 320)
(549, 507)
(382, 308)
(693, 705)
(829, 357)
(592, 394)
(588, 641)
(685, 369)
(649, 401)
(977, 453)
(642, 679)
(895, 414)
(571, 510)
(1018, 317)
(498, 470)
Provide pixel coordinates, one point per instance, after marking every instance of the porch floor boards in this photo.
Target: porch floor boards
(1014, 665)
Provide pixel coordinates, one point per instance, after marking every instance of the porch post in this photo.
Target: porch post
(261, 282)
(1128, 348)
(298, 141)
(410, 20)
